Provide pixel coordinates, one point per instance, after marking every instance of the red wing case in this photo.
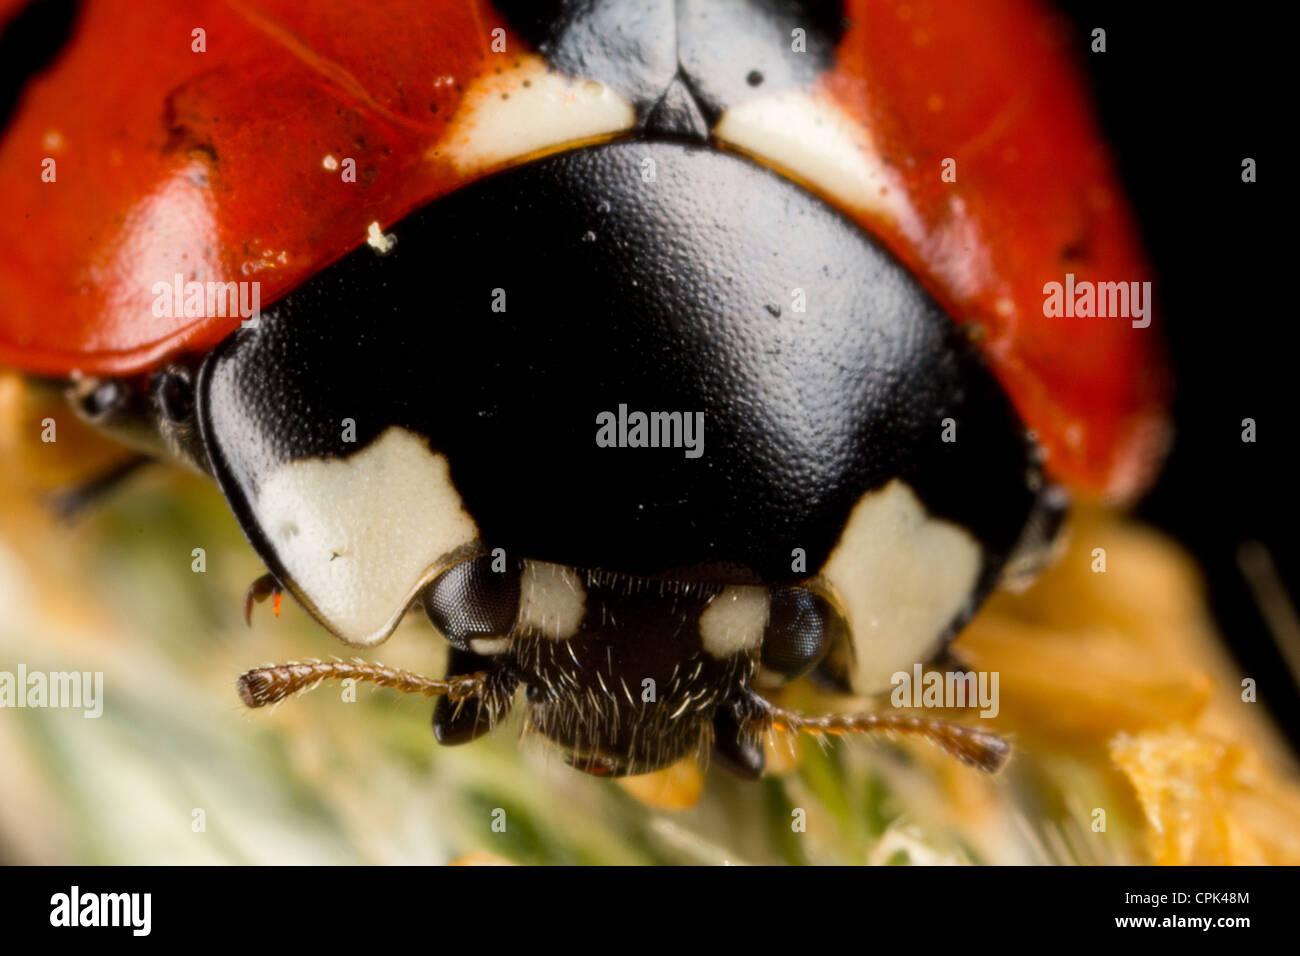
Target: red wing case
(995, 86)
(213, 165)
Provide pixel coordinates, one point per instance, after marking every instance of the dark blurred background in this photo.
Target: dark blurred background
(1185, 94)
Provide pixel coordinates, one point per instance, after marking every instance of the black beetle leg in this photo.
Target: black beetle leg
(70, 502)
(458, 722)
(736, 745)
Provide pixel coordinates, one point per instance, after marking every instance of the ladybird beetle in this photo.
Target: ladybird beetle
(663, 351)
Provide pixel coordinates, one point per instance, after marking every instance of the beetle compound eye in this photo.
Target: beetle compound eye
(802, 625)
(475, 602)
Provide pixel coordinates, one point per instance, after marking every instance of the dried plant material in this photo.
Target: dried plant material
(1109, 640)
(673, 788)
(1112, 655)
(1209, 802)
(1075, 687)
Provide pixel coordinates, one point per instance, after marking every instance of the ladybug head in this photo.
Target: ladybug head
(638, 449)
(627, 673)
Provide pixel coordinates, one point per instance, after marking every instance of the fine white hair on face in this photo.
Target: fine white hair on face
(903, 577)
(358, 536)
(552, 600)
(526, 110)
(735, 621)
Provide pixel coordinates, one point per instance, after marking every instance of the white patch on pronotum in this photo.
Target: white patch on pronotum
(735, 621)
(552, 600)
(903, 577)
(360, 536)
(527, 110)
(812, 139)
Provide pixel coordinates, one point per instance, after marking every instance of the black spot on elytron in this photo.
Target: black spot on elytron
(722, 43)
(32, 40)
(724, 51)
(665, 310)
(1076, 251)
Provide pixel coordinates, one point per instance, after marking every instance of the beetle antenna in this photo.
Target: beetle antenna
(270, 685)
(979, 748)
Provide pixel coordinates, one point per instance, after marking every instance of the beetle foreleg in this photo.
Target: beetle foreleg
(261, 589)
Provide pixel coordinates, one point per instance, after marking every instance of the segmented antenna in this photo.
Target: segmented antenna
(979, 748)
(269, 685)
